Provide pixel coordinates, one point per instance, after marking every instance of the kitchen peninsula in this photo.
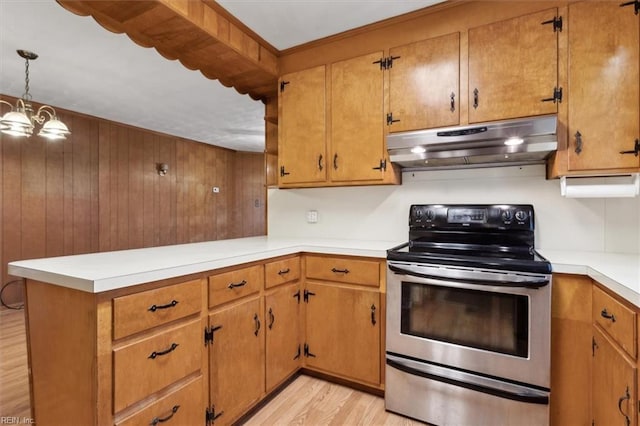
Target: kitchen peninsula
(118, 317)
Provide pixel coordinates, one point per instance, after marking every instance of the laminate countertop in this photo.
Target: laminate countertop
(98, 272)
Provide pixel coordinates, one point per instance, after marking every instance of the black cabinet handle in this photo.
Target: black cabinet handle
(257, 322)
(335, 162)
(272, 318)
(236, 285)
(607, 315)
(171, 304)
(283, 172)
(340, 271)
(155, 354)
(284, 271)
(320, 166)
(453, 102)
(373, 314)
(475, 98)
(578, 137)
(636, 149)
(157, 420)
(623, 398)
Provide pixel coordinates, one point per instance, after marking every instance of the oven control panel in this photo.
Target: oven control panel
(494, 216)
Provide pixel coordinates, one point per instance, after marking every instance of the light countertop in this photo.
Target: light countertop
(98, 272)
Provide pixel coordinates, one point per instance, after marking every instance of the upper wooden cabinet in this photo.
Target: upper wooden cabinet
(424, 80)
(603, 91)
(357, 127)
(351, 94)
(513, 67)
(301, 127)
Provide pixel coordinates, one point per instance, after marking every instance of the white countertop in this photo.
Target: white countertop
(98, 272)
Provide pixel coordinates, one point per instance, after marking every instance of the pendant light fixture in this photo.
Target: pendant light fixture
(21, 120)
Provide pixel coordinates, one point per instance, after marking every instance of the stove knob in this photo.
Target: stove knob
(507, 215)
(521, 215)
(430, 214)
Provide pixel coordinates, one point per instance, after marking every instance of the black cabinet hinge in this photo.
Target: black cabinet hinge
(307, 293)
(282, 85)
(298, 353)
(386, 63)
(636, 149)
(594, 346)
(297, 296)
(382, 166)
(307, 353)
(556, 22)
(635, 3)
(210, 414)
(208, 334)
(390, 119)
(557, 96)
(283, 172)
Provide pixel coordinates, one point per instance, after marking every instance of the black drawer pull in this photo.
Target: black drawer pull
(340, 271)
(272, 318)
(284, 271)
(235, 285)
(157, 420)
(155, 354)
(607, 315)
(171, 304)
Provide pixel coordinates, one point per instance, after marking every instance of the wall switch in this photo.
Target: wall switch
(215, 189)
(312, 216)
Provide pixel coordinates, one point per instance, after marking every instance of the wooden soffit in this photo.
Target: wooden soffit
(195, 32)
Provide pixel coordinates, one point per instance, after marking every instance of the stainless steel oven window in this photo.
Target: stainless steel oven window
(496, 322)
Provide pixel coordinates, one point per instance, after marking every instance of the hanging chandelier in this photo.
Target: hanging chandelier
(21, 120)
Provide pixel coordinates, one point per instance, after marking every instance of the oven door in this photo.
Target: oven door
(492, 323)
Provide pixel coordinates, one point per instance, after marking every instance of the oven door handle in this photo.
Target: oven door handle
(475, 277)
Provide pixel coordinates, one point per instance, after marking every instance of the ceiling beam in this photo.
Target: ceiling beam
(194, 33)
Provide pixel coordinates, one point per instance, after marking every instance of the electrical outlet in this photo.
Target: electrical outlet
(312, 216)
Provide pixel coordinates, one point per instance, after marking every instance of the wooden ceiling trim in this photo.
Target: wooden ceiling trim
(193, 33)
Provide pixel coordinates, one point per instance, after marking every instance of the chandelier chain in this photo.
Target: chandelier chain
(26, 95)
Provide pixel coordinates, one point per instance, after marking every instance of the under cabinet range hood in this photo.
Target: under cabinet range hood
(499, 143)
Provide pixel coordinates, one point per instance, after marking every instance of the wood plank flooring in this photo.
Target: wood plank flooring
(306, 401)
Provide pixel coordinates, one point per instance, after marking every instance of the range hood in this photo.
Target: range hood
(498, 143)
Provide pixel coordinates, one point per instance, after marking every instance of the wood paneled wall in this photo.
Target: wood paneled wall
(99, 190)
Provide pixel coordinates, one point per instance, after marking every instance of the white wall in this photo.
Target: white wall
(381, 212)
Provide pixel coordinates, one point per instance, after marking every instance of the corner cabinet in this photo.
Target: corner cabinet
(604, 87)
(424, 84)
(331, 128)
(513, 67)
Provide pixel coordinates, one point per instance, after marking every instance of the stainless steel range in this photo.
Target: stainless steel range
(469, 318)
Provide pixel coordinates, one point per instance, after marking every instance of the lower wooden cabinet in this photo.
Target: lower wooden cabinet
(283, 348)
(614, 391)
(236, 359)
(343, 329)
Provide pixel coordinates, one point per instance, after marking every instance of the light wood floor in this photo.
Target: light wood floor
(306, 401)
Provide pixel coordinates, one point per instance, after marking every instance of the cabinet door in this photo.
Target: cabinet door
(357, 119)
(282, 309)
(513, 66)
(604, 96)
(343, 331)
(614, 386)
(424, 84)
(236, 360)
(301, 127)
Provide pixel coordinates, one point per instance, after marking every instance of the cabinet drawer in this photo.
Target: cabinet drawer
(148, 365)
(184, 406)
(352, 271)
(141, 311)
(282, 271)
(235, 284)
(618, 320)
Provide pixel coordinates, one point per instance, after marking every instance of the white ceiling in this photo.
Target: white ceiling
(83, 67)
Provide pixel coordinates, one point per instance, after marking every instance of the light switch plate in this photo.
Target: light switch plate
(312, 216)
